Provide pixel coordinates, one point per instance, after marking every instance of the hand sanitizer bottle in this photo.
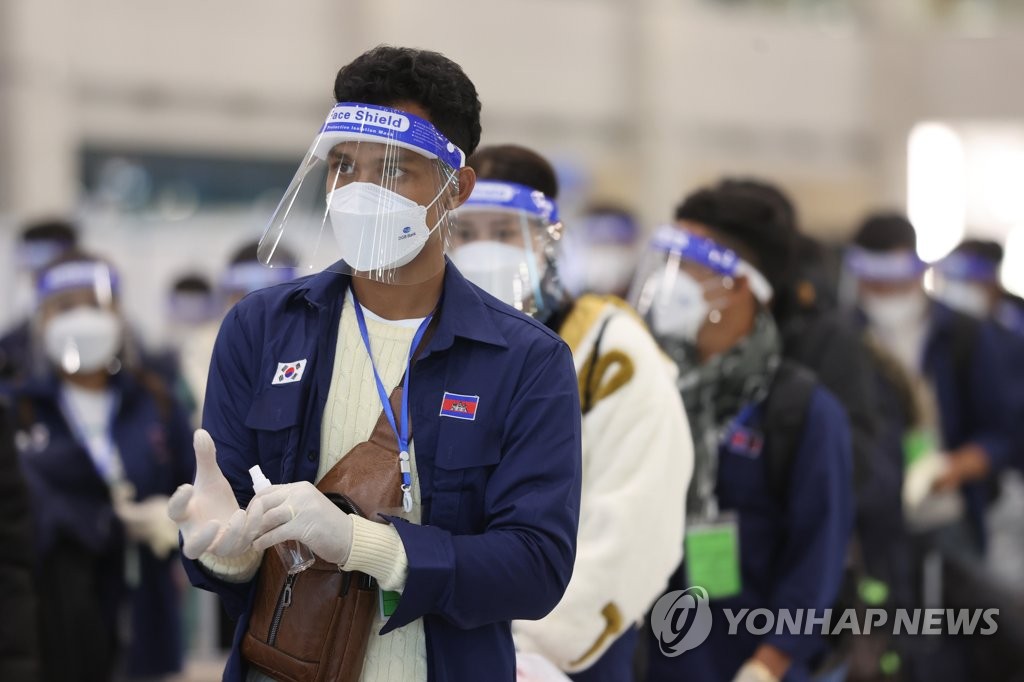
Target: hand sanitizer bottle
(295, 555)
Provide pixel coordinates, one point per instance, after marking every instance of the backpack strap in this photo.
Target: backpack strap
(783, 416)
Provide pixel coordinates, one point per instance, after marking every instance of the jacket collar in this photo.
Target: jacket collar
(463, 312)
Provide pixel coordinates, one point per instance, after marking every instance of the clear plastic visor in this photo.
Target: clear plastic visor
(368, 205)
(505, 252)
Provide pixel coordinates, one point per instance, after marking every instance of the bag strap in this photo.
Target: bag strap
(382, 434)
(784, 417)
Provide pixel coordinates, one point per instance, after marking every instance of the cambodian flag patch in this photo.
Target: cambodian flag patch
(459, 406)
(289, 372)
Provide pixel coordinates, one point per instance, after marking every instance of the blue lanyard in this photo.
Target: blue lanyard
(401, 434)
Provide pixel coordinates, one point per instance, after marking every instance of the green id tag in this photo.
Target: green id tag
(917, 444)
(388, 601)
(713, 557)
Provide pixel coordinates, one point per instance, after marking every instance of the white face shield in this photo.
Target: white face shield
(679, 277)
(372, 198)
(963, 281)
(504, 241)
(81, 328)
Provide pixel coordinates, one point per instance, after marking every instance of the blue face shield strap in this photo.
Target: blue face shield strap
(513, 197)
(92, 275)
(712, 255)
(891, 266)
(247, 277)
(353, 121)
(967, 266)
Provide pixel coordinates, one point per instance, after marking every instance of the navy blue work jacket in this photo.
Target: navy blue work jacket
(792, 549)
(72, 507)
(500, 493)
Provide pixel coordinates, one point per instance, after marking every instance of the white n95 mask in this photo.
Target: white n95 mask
(83, 339)
(376, 228)
(889, 311)
(497, 268)
(965, 297)
(678, 311)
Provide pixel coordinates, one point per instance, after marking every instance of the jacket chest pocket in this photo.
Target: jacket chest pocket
(466, 456)
(274, 417)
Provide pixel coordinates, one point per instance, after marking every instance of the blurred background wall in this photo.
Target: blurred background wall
(170, 129)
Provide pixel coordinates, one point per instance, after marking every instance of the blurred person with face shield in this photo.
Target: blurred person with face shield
(948, 404)
(962, 399)
(967, 280)
(102, 443)
(421, 438)
(637, 452)
(39, 244)
(769, 511)
(196, 309)
(598, 254)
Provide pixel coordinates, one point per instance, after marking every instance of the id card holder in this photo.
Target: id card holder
(713, 556)
(387, 600)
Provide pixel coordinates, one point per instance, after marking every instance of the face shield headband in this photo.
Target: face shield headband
(873, 266)
(245, 278)
(367, 199)
(969, 267)
(712, 255)
(94, 276)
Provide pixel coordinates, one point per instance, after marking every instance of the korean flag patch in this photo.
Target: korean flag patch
(289, 372)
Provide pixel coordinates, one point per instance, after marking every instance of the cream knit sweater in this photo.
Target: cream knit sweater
(350, 414)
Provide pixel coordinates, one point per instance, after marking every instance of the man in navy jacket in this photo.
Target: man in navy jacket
(498, 484)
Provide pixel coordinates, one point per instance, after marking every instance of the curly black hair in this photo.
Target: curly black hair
(749, 219)
(387, 75)
(512, 163)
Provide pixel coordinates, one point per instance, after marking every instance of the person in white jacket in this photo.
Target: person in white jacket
(637, 449)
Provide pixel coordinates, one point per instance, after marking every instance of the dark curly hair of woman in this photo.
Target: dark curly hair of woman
(387, 75)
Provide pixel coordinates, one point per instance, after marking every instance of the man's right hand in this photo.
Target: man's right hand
(207, 512)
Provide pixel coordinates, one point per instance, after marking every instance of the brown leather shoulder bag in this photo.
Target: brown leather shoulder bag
(314, 626)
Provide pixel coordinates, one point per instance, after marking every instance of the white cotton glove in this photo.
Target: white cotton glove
(206, 512)
(920, 478)
(298, 511)
(536, 668)
(754, 671)
(147, 521)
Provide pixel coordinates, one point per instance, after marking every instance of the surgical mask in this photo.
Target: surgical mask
(890, 311)
(608, 269)
(679, 311)
(83, 339)
(497, 268)
(376, 228)
(970, 299)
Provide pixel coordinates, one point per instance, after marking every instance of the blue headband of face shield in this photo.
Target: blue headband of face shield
(873, 266)
(352, 121)
(513, 197)
(92, 275)
(967, 266)
(245, 278)
(712, 255)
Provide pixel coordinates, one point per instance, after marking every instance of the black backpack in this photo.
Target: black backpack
(784, 415)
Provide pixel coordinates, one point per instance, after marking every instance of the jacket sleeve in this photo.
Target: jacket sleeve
(519, 566)
(819, 513)
(995, 402)
(639, 459)
(18, 654)
(228, 393)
